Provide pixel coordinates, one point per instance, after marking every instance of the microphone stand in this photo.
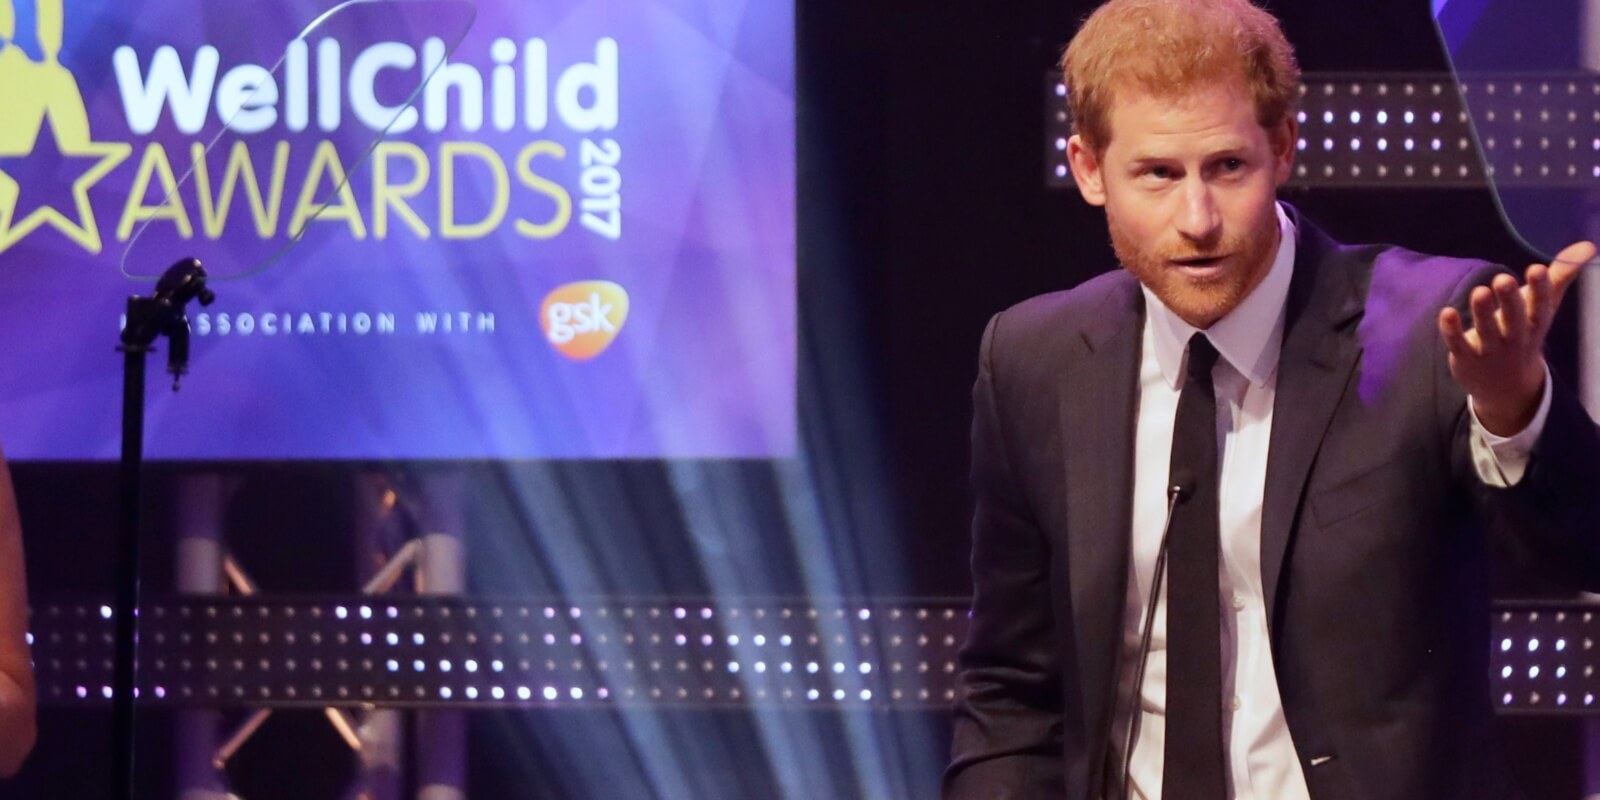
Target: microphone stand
(1178, 486)
(149, 318)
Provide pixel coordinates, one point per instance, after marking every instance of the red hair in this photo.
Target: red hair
(1167, 47)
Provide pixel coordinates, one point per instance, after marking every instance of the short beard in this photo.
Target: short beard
(1211, 300)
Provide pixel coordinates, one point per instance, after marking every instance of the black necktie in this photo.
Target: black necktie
(1194, 761)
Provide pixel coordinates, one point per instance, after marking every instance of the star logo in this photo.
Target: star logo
(84, 163)
(44, 94)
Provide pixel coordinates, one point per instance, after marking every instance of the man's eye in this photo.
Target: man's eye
(1232, 164)
(1160, 173)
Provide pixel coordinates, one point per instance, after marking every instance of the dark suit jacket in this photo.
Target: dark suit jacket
(1374, 533)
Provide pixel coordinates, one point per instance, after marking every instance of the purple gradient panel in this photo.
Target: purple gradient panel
(453, 361)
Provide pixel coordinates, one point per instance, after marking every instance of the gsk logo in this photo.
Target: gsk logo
(581, 320)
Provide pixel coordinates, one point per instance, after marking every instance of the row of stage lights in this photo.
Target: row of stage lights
(1544, 660)
(1400, 132)
(463, 652)
(549, 695)
(488, 654)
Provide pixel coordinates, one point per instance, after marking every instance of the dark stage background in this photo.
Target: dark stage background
(922, 212)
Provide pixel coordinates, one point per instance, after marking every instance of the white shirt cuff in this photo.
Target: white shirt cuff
(1501, 460)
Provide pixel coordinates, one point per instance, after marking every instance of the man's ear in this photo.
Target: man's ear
(1086, 171)
(1284, 137)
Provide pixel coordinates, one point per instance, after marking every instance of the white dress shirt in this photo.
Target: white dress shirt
(1262, 763)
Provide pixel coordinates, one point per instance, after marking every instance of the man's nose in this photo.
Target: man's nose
(1199, 218)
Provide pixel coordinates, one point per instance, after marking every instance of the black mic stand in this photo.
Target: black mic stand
(161, 314)
(1179, 485)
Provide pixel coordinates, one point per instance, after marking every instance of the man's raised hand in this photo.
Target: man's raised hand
(1499, 361)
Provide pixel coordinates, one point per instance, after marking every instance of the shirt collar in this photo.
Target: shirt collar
(1249, 337)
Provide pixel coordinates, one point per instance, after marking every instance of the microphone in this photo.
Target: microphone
(163, 314)
(182, 282)
(1180, 487)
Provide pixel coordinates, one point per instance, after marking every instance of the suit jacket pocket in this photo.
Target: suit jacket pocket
(1382, 482)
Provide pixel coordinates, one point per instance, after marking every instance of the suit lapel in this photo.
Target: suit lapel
(1099, 403)
(1319, 355)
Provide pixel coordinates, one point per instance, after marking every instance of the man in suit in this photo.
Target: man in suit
(1333, 432)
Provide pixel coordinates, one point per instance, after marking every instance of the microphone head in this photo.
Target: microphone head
(1181, 482)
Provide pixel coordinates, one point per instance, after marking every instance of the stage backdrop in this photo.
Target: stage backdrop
(578, 242)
